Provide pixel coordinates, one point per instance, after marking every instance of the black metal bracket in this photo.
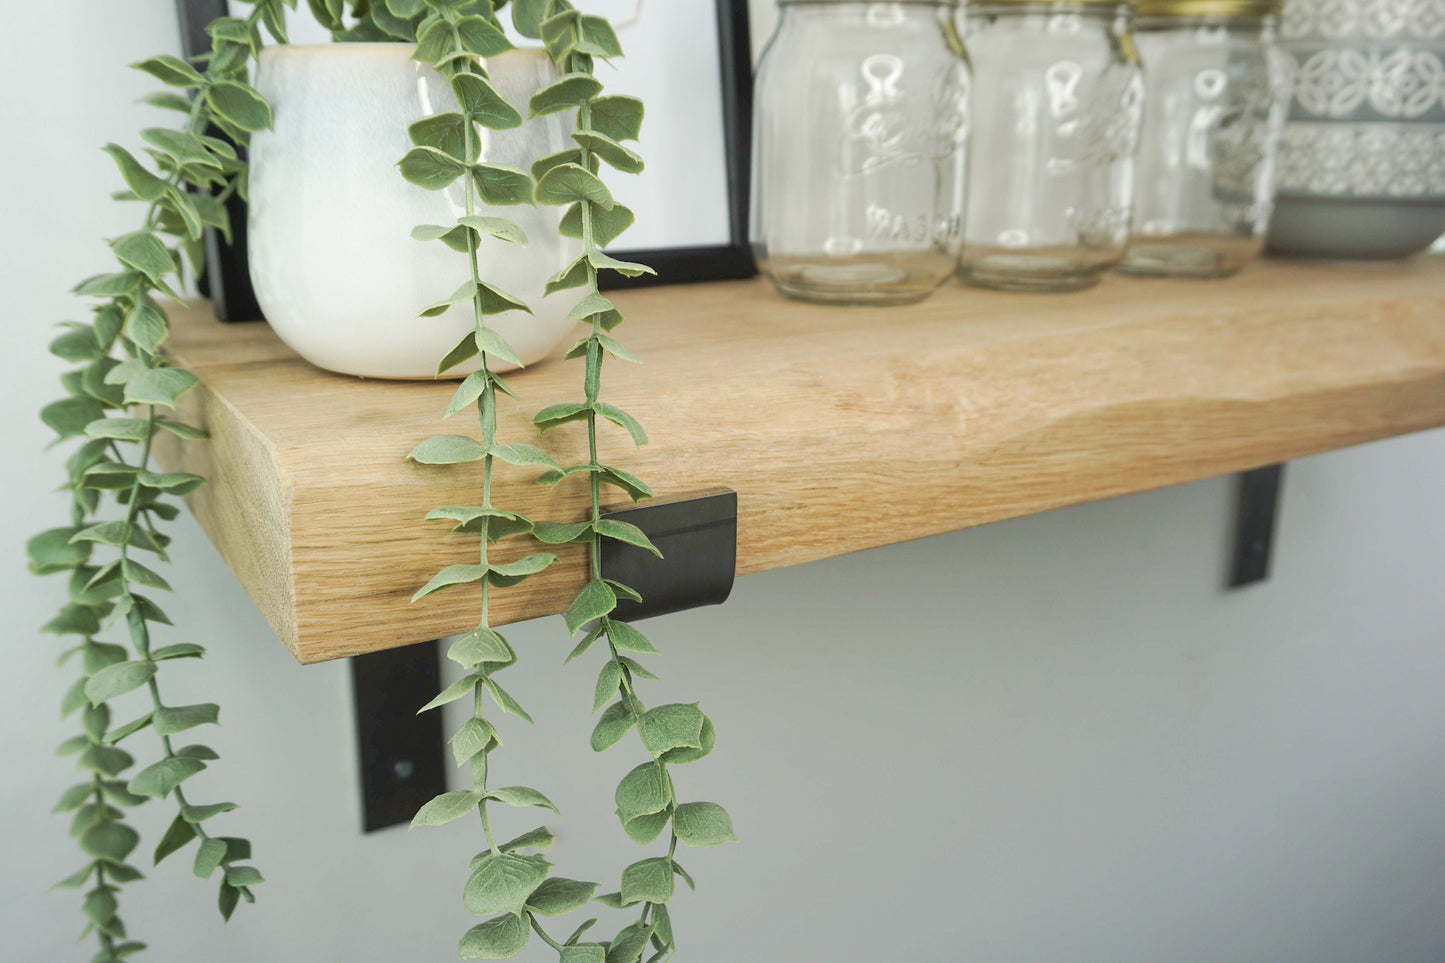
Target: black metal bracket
(1258, 507)
(698, 538)
(402, 755)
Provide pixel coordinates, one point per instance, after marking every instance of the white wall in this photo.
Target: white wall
(1050, 739)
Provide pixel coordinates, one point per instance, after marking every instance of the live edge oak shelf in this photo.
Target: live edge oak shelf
(839, 428)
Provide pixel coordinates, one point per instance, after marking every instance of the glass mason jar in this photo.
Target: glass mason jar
(1215, 97)
(1056, 112)
(859, 150)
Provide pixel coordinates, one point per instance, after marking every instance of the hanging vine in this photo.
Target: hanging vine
(672, 734)
(120, 501)
(123, 393)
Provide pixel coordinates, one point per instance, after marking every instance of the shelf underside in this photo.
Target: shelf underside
(840, 428)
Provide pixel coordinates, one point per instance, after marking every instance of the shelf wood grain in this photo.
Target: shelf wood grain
(840, 429)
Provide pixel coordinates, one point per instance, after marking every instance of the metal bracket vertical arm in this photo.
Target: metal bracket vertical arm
(402, 755)
(1258, 507)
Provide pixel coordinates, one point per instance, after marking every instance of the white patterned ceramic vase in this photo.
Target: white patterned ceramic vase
(1361, 170)
(333, 262)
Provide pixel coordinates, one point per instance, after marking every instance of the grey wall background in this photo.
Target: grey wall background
(1050, 739)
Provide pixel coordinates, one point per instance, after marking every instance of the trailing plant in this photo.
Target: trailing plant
(672, 734)
(123, 381)
(114, 404)
(504, 881)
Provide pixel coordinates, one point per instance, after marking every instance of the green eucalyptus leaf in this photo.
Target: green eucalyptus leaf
(482, 103)
(500, 185)
(73, 798)
(647, 880)
(69, 417)
(572, 155)
(240, 105)
(622, 158)
(629, 269)
(560, 533)
(227, 899)
(106, 760)
(592, 636)
(100, 906)
(159, 386)
(77, 344)
(573, 275)
(569, 92)
(559, 896)
(627, 638)
(134, 726)
(446, 808)
(451, 576)
(497, 939)
(609, 681)
(583, 953)
(527, 16)
(607, 224)
(522, 797)
(172, 71)
(199, 814)
(615, 723)
(539, 838)
(118, 679)
(176, 837)
(703, 825)
(671, 727)
(448, 134)
(482, 644)
(143, 251)
(569, 183)
(466, 292)
(209, 857)
(170, 720)
(457, 238)
(53, 551)
(623, 420)
(182, 147)
(160, 778)
(554, 416)
(473, 737)
(707, 739)
(643, 791)
(619, 118)
(109, 840)
(452, 693)
(243, 876)
(145, 185)
(465, 350)
(430, 169)
(481, 37)
(503, 883)
(626, 532)
(597, 38)
(594, 601)
(498, 227)
(504, 700)
(448, 450)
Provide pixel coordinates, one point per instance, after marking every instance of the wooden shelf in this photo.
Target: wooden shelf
(840, 428)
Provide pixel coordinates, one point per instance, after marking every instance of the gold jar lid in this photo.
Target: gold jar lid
(1208, 8)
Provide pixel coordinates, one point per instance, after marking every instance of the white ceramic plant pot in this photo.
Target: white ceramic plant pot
(332, 259)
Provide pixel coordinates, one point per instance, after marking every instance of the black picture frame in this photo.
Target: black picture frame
(227, 281)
